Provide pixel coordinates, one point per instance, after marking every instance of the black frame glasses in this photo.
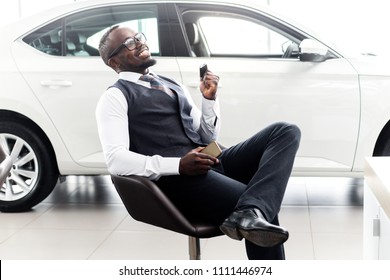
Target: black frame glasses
(130, 44)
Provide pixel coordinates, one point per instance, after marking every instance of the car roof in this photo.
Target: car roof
(23, 26)
(20, 27)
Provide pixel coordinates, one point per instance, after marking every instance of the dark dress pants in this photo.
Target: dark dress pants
(253, 173)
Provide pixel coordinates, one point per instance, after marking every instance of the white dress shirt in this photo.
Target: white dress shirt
(112, 122)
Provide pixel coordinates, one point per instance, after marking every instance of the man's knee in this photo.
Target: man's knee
(295, 131)
(289, 130)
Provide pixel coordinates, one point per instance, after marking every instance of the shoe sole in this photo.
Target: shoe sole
(230, 229)
(263, 238)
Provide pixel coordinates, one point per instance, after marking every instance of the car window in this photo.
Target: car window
(218, 31)
(147, 26)
(232, 36)
(79, 34)
(47, 39)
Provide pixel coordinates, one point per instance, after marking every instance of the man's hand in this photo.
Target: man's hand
(209, 85)
(196, 163)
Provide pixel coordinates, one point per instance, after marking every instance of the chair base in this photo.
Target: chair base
(194, 248)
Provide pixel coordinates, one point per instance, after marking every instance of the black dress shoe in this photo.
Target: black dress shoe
(229, 226)
(251, 225)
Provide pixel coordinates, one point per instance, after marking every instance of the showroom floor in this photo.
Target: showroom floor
(85, 219)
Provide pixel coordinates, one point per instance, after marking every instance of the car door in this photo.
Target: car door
(260, 83)
(61, 63)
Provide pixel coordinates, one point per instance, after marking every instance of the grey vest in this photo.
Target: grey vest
(158, 123)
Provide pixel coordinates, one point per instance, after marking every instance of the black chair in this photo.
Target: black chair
(5, 165)
(146, 203)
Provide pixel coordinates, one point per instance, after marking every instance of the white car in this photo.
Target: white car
(270, 69)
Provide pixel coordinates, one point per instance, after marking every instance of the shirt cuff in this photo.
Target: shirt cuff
(170, 166)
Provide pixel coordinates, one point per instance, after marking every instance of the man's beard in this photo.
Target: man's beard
(148, 64)
(140, 68)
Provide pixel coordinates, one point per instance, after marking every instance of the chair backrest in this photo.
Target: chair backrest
(5, 165)
(145, 202)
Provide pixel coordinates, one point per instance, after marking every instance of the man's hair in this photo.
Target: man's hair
(104, 48)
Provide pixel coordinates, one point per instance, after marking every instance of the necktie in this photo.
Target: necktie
(156, 84)
(184, 106)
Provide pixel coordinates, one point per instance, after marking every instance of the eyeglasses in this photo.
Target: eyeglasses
(130, 43)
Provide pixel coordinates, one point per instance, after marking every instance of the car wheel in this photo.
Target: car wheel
(382, 147)
(34, 173)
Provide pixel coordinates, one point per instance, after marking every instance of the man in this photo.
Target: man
(160, 134)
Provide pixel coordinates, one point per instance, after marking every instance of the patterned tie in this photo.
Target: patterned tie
(155, 83)
(184, 106)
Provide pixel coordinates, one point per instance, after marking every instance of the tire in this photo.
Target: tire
(34, 173)
(382, 147)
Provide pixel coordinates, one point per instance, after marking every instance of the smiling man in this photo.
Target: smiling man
(149, 126)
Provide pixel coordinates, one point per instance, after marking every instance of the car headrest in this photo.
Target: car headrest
(76, 37)
(192, 33)
(54, 38)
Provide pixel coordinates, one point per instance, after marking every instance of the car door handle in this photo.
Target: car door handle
(56, 83)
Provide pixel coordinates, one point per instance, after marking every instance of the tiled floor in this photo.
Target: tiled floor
(85, 219)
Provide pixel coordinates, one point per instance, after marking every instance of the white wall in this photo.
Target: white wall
(359, 25)
(11, 10)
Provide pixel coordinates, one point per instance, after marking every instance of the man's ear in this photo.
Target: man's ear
(113, 63)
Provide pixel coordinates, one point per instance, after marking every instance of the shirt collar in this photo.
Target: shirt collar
(131, 76)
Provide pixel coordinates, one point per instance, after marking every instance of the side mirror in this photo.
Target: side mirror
(312, 51)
